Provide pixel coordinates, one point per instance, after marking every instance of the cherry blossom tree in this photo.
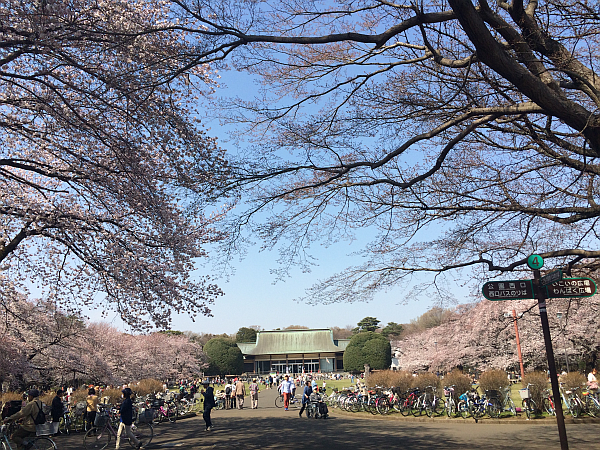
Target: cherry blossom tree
(42, 345)
(480, 336)
(105, 171)
(465, 134)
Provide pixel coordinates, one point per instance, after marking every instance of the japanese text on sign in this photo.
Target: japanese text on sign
(508, 290)
(572, 287)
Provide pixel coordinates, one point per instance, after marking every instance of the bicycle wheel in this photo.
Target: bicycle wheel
(463, 409)
(43, 443)
(575, 408)
(429, 409)
(494, 408)
(279, 401)
(592, 406)
(479, 410)
(439, 407)
(77, 422)
(64, 425)
(405, 406)
(417, 407)
(371, 406)
(143, 432)
(96, 439)
(549, 406)
(383, 406)
(171, 414)
(511, 406)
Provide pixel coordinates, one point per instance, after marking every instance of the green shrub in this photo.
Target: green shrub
(225, 357)
(493, 380)
(367, 348)
(539, 383)
(461, 382)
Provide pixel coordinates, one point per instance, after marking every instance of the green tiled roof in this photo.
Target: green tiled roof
(279, 342)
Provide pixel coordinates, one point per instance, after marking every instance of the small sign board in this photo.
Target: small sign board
(572, 287)
(535, 262)
(508, 290)
(551, 277)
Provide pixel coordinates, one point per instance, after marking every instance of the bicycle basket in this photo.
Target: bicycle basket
(145, 415)
(524, 393)
(11, 407)
(158, 403)
(493, 393)
(45, 429)
(100, 420)
(80, 407)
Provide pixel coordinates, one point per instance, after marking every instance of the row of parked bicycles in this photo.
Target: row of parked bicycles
(156, 409)
(148, 412)
(434, 403)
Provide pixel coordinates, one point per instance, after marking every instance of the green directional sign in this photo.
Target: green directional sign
(508, 290)
(572, 287)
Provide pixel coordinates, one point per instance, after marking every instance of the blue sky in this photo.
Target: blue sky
(251, 296)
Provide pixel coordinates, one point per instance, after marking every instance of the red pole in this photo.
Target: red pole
(514, 313)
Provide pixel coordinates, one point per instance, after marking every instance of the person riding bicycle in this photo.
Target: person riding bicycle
(27, 413)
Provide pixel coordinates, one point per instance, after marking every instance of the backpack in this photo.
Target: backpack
(228, 390)
(40, 419)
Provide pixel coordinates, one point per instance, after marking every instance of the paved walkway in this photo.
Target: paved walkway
(273, 428)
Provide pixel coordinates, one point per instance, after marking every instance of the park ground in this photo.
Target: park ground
(269, 427)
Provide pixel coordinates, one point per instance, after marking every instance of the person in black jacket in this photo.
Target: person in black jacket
(57, 410)
(126, 412)
(209, 403)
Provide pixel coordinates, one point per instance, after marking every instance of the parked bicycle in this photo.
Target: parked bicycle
(528, 404)
(450, 404)
(572, 401)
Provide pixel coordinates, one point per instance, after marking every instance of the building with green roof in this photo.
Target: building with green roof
(294, 351)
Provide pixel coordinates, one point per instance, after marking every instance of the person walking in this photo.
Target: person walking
(286, 390)
(126, 412)
(228, 394)
(305, 396)
(57, 411)
(240, 392)
(254, 394)
(209, 403)
(592, 380)
(91, 408)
